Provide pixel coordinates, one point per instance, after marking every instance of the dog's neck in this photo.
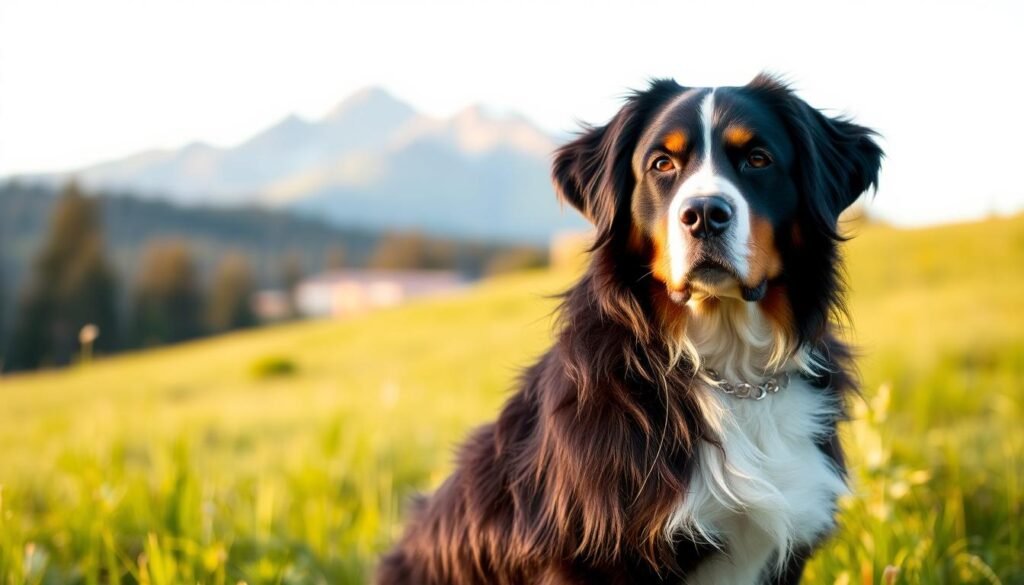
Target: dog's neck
(738, 341)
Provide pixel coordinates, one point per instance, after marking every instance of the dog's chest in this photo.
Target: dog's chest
(769, 487)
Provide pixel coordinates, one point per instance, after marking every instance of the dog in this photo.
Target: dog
(683, 427)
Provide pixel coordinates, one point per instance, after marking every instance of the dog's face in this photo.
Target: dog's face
(714, 184)
(720, 192)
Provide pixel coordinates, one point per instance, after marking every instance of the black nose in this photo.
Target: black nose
(706, 216)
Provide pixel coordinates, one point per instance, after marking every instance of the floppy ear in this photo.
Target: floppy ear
(593, 172)
(837, 160)
(841, 161)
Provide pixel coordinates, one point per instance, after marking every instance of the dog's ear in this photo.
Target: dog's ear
(841, 161)
(585, 170)
(837, 160)
(593, 172)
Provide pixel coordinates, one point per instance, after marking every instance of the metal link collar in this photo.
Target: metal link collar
(746, 390)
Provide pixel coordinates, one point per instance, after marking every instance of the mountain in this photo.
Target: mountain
(371, 162)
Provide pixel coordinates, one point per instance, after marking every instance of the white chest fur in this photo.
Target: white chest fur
(767, 489)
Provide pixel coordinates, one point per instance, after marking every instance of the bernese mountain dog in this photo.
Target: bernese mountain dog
(682, 429)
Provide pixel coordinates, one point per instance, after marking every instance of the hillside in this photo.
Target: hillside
(373, 162)
(285, 455)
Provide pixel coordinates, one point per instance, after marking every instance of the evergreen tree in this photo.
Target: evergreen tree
(515, 258)
(334, 258)
(72, 286)
(292, 271)
(168, 305)
(3, 312)
(411, 251)
(229, 305)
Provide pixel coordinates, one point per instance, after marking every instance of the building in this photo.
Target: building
(271, 305)
(350, 292)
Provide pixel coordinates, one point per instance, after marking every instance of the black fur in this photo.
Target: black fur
(575, 480)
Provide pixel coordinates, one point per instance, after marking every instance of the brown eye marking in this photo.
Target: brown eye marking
(663, 164)
(675, 142)
(738, 136)
(758, 158)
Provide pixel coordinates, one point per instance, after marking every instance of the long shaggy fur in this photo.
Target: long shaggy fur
(583, 472)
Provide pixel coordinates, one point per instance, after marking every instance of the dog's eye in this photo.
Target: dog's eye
(759, 159)
(663, 164)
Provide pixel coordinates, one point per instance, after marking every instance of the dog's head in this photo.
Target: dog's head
(725, 193)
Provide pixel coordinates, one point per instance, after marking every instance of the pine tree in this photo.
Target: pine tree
(515, 258)
(292, 271)
(334, 258)
(229, 305)
(3, 312)
(411, 251)
(72, 286)
(168, 302)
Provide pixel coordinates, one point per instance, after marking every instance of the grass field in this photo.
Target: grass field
(284, 455)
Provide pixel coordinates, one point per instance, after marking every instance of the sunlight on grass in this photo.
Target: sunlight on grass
(286, 455)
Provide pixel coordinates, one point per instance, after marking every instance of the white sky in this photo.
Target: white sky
(85, 81)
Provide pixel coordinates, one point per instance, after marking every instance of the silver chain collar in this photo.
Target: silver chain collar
(746, 390)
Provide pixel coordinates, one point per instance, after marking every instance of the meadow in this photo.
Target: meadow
(285, 455)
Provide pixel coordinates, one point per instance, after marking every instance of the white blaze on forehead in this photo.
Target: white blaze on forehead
(705, 181)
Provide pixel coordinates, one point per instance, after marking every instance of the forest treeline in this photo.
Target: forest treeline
(84, 273)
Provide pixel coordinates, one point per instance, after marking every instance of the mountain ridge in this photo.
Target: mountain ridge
(371, 161)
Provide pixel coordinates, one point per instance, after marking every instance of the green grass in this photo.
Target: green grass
(284, 455)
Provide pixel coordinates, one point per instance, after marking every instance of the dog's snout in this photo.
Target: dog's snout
(706, 216)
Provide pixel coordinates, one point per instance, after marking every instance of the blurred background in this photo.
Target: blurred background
(263, 264)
